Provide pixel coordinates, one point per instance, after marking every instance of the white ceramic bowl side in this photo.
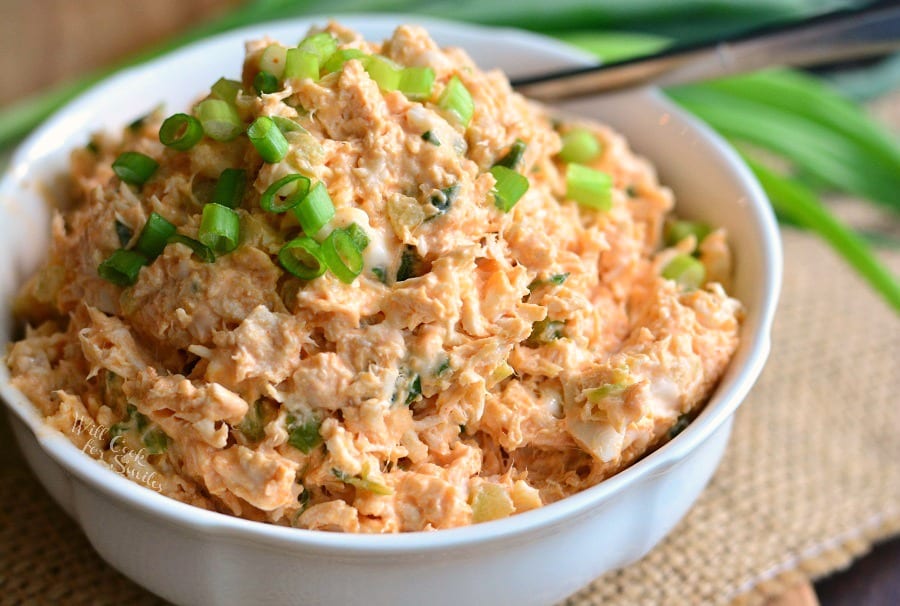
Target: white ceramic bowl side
(192, 556)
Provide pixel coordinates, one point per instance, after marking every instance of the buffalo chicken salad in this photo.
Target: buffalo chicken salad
(369, 288)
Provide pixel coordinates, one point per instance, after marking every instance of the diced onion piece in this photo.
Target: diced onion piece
(491, 502)
(220, 119)
(457, 100)
(220, 228)
(336, 61)
(268, 139)
(588, 187)
(230, 187)
(154, 236)
(686, 270)
(273, 60)
(579, 145)
(322, 45)
(416, 82)
(676, 231)
(510, 186)
(314, 210)
(342, 256)
(200, 249)
(302, 257)
(384, 72)
(284, 194)
(134, 167)
(180, 131)
(301, 64)
(122, 267)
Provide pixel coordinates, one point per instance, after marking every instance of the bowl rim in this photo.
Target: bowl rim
(724, 402)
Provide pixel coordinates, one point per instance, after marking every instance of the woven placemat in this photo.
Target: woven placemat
(810, 480)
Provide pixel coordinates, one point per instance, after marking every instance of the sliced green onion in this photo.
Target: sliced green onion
(443, 200)
(322, 45)
(457, 100)
(358, 235)
(230, 187)
(301, 64)
(384, 72)
(122, 267)
(315, 210)
(265, 83)
(588, 187)
(226, 90)
(154, 236)
(431, 138)
(676, 231)
(545, 331)
(302, 257)
(220, 228)
(336, 61)
(273, 60)
(220, 119)
(412, 265)
(513, 157)
(155, 440)
(510, 186)
(579, 145)
(295, 187)
(180, 132)
(134, 167)
(686, 270)
(286, 125)
(304, 436)
(342, 256)
(416, 82)
(124, 233)
(268, 140)
(203, 252)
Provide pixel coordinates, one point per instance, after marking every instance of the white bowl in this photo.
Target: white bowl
(192, 556)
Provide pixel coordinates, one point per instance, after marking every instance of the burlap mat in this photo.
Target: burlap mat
(810, 480)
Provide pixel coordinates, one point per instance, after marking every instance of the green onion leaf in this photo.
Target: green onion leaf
(416, 82)
(443, 200)
(588, 187)
(314, 210)
(134, 167)
(220, 119)
(230, 187)
(513, 157)
(322, 45)
(510, 186)
(286, 125)
(273, 59)
(226, 90)
(676, 231)
(336, 61)
(122, 267)
(265, 83)
(285, 193)
(155, 441)
(384, 72)
(301, 64)
(457, 100)
(253, 425)
(579, 145)
(411, 264)
(358, 235)
(203, 252)
(302, 257)
(545, 331)
(268, 139)
(342, 256)
(303, 435)
(124, 233)
(686, 270)
(180, 132)
(220, 228)
(431, 138)
(154, 236)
